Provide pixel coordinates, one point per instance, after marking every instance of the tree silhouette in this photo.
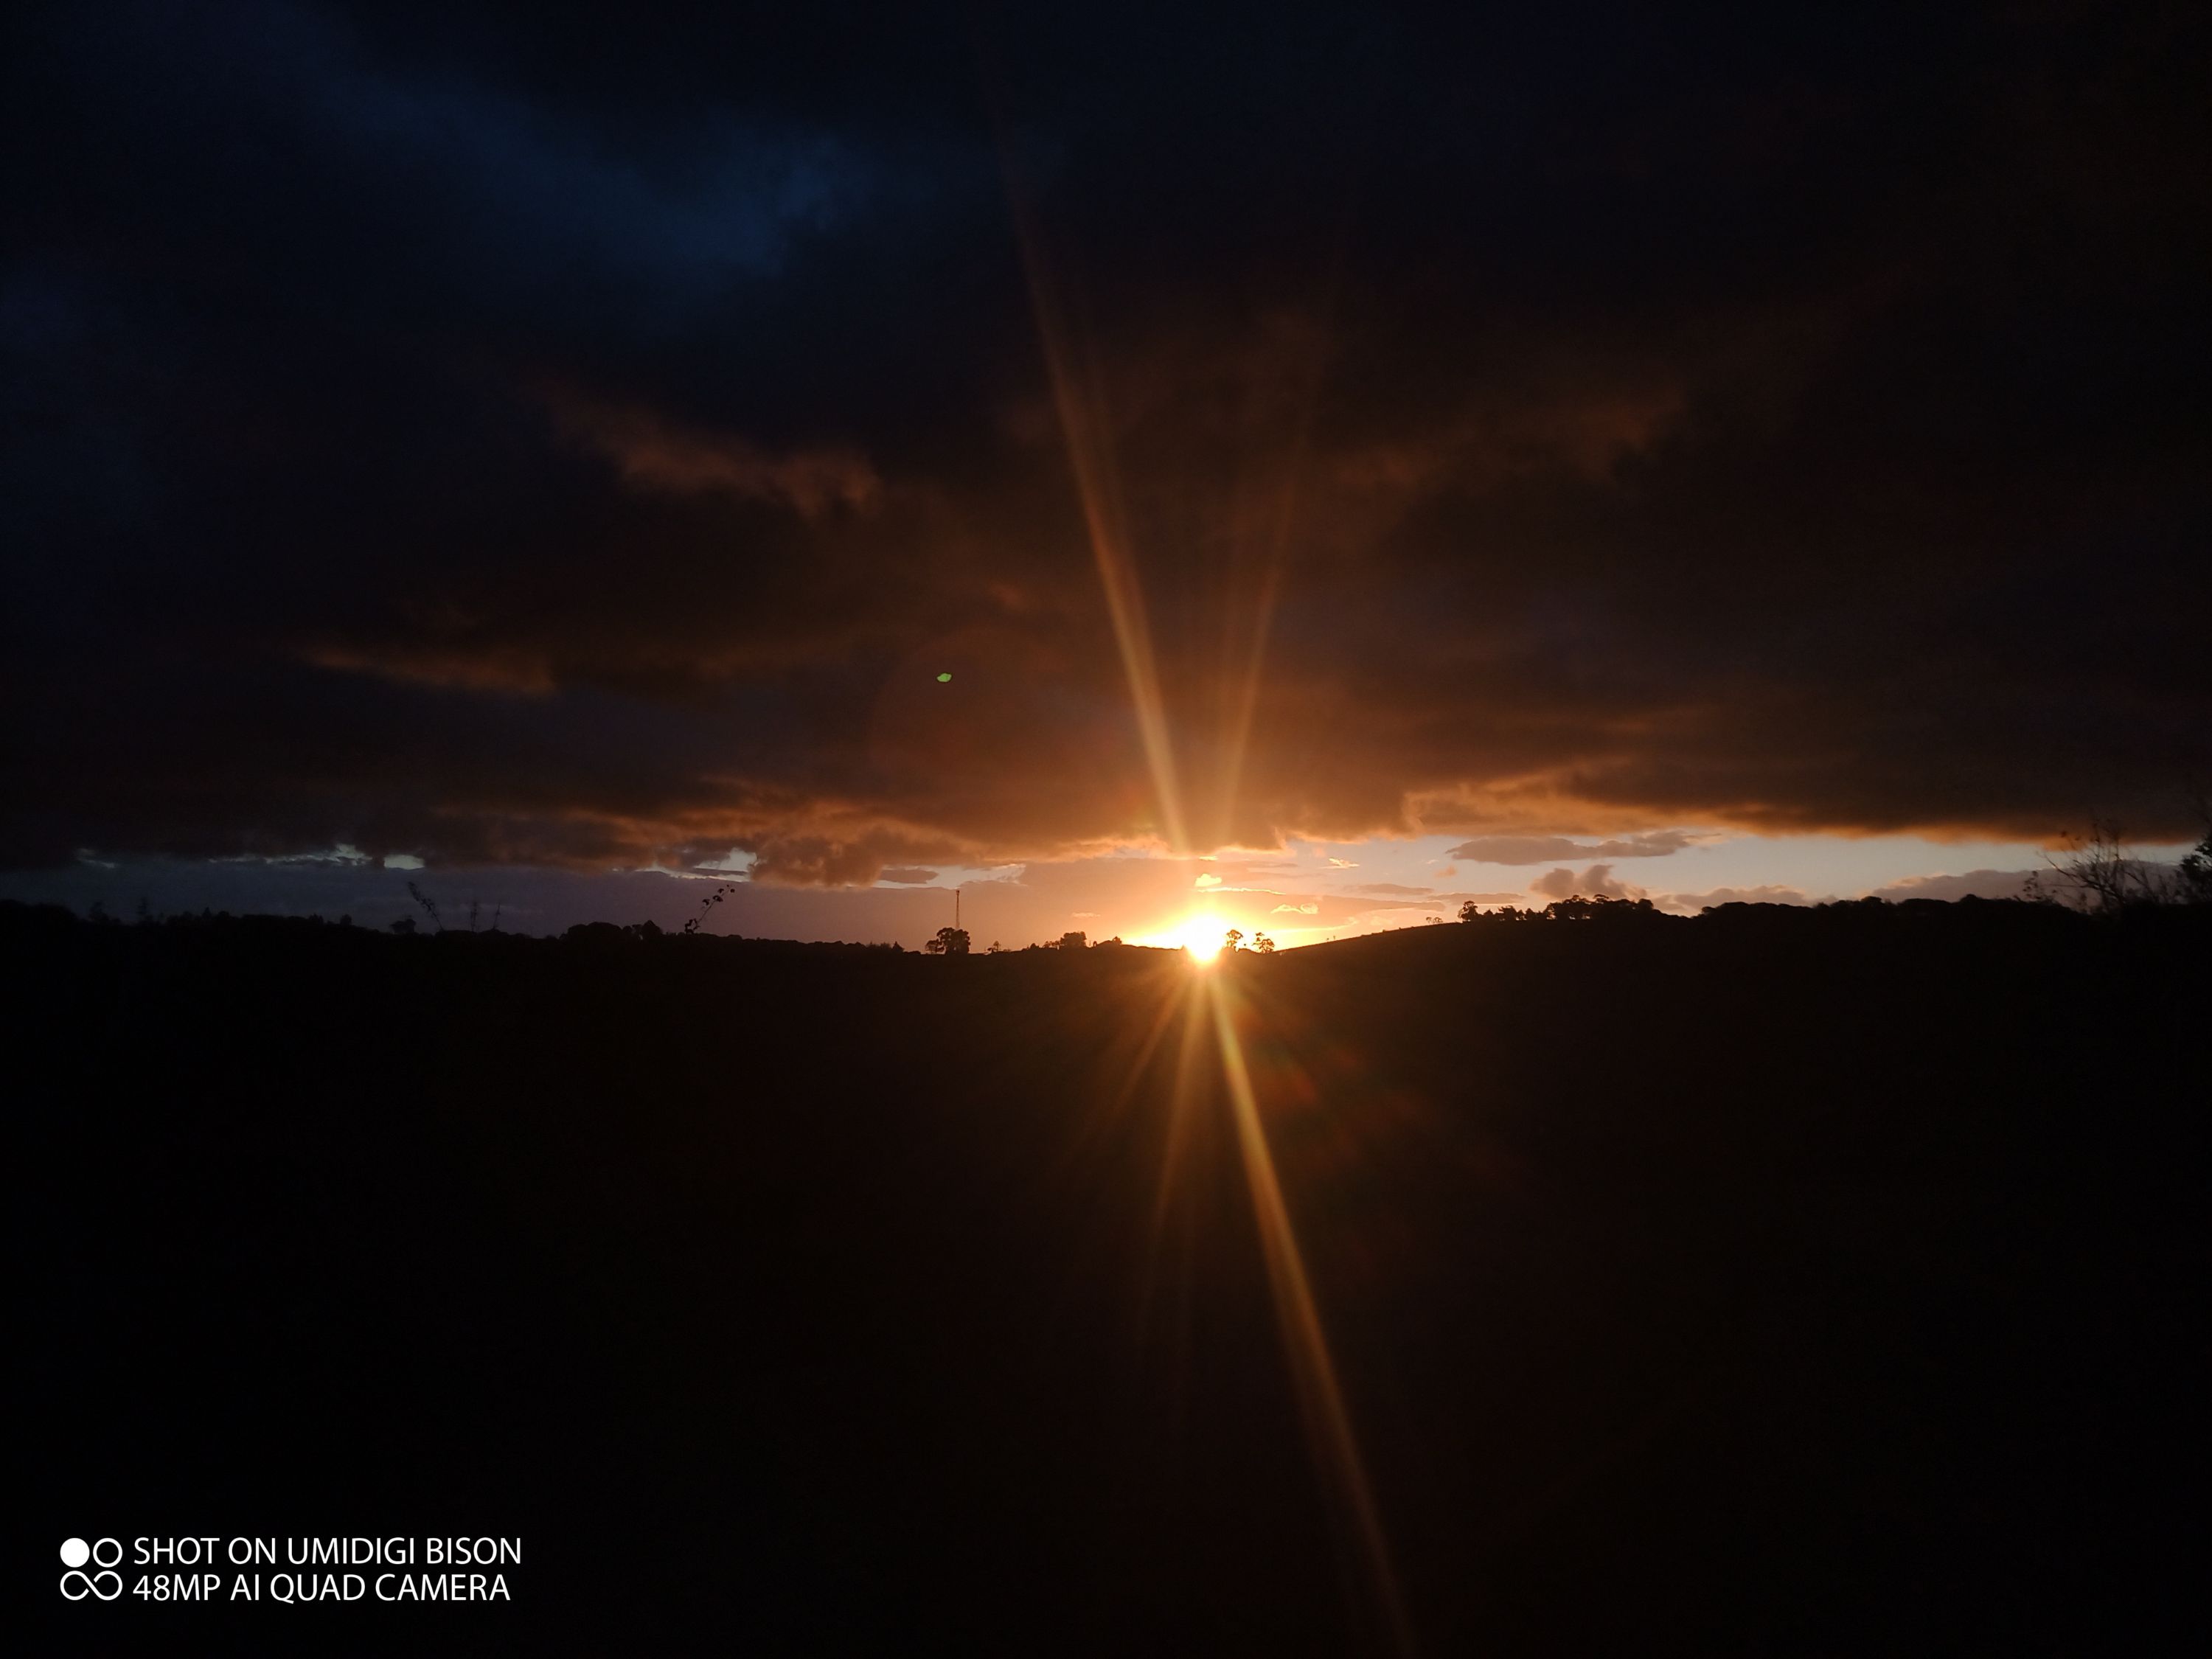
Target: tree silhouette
(2092, 874)
(1263, 945)
(948, 942)
(2195, 872)
(1071, 942)
(1577, 909)
(1233, 940)
(2099, 874)
(707, 908)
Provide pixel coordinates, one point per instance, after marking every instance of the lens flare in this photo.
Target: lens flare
(1076, 367)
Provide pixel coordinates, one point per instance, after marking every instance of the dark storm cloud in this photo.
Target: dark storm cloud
(538, 435)
(1543, 849)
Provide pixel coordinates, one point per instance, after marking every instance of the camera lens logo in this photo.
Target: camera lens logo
(104, 1583)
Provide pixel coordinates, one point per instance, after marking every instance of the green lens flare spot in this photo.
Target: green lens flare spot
(942, 678)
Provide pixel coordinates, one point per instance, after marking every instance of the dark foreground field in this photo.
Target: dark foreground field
(1801, 1283)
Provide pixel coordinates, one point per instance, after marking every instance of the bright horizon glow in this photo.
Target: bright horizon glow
(1200, 933)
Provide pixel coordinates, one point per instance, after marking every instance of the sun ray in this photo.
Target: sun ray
(1079, 397)
(1304, 1341)
(1189, 1059)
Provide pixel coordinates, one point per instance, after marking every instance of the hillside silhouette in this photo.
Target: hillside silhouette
(1774, 1281)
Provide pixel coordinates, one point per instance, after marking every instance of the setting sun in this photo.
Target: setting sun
(1201, 933)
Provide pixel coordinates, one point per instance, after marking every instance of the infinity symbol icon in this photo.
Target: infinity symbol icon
(76, 1585)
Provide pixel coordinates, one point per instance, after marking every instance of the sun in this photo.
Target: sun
(1200, 933)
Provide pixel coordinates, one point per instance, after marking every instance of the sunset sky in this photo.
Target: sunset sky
(1283, 464)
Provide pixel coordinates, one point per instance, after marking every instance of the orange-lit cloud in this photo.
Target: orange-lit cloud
(655, 453)
(1597, 882)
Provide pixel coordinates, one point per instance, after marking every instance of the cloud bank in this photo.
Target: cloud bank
(598, 451)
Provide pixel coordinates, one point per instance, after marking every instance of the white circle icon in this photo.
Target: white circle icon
(75, 1584)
